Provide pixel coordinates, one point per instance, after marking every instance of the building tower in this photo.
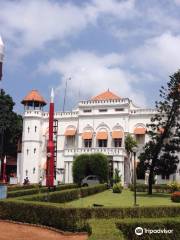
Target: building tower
(29, 161)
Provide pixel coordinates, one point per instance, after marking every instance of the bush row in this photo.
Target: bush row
(23, 192)
(154, 225)
(21, 187)
(67, 195)
(74, 219)
(156, 187)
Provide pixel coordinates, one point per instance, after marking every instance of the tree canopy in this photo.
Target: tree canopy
(90, 164)
(160, 153)
(10, 125)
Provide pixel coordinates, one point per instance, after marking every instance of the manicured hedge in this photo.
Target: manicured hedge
(67, 195)
(48, 215)
(21, 187)
(74, 219)
(87, 191)
(56, 197)
(175, 197)
(24, 192)
(161, 188)
(128, 228)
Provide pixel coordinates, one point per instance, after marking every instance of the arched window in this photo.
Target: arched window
(27, 151)
(35, 128)
(34, 150)
(28, 129)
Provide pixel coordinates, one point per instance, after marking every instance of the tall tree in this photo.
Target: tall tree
(10, 126)
(160, 153)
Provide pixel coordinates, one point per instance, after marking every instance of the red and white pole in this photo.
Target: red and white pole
(50, 146)
(4, 177)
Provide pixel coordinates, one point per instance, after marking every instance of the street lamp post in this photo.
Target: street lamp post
(135, 149)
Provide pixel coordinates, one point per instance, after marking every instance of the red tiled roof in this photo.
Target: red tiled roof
(108, 95)
(33, 96)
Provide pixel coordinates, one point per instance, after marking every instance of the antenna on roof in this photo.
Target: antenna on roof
(65, 93)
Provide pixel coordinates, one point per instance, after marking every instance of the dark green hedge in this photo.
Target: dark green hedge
(67, 195)
(90, 164)
(73, 219)
(24, 192)
(60, 218)
(128, 228)
(161, 188)
(19, 187)
(56, 197)
(86, 191)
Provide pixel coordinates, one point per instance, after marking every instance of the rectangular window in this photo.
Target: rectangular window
(87, 143)
(117, 142)
(119, 109)
(102, 143)
(103, 110)
(87, 110)
(70, 141)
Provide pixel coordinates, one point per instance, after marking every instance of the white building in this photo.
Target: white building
(96, 125)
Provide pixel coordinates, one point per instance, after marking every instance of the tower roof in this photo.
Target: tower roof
(33, 96)
(107, 95)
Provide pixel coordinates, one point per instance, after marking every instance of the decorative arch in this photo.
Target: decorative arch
(139, 129)
(103, 126)
(70, 131)
(118, 127)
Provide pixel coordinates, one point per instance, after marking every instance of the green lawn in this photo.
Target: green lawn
(125, 199)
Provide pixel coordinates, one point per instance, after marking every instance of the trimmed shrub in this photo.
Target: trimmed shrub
(175, 197)
(90, 164)
(117, 188)
(48, 215)
(161, 188)
(37, 190)
(87, 191)
(139, 187)
(67, 195)
(174, 186)
(128, 228)
(19, 187)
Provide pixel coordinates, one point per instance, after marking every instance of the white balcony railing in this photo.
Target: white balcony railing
(107, 151)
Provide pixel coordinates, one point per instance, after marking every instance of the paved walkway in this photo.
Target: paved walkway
(25, 232)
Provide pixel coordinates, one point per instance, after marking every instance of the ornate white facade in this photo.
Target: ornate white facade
(100, 120)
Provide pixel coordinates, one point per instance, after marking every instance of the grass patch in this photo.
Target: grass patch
(104, 229)
(125, 199)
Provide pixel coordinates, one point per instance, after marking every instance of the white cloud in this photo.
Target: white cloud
(31, 24)
(159, 55)
(91, 74)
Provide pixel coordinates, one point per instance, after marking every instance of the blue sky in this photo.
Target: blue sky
(130, 47)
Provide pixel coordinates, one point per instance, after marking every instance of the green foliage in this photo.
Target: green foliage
(117, 188)
(159, 153)
(87, 191)
(66, 195)
(128, 228)
(23, 191)
(130, 142)
(117, 177)
(104, 229)
(20, 187)
(90, 164)
(159, 188)
(174, 186)
(10, 125)
(175, 197)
